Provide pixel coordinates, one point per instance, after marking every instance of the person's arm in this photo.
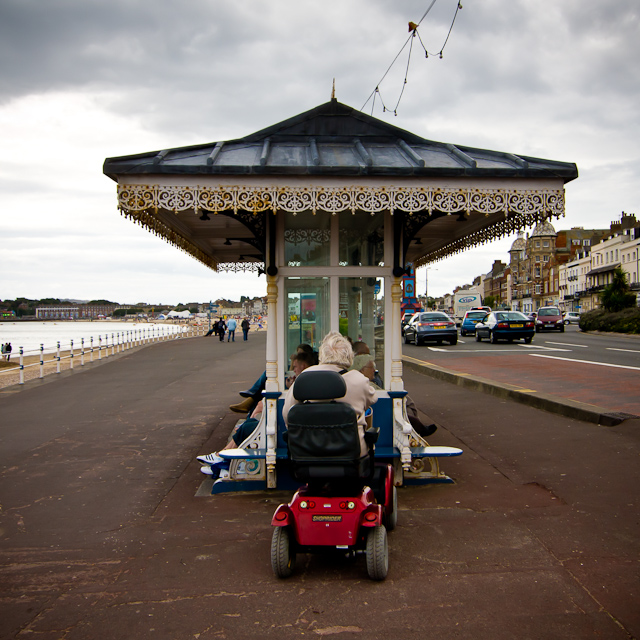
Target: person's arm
(289, 401)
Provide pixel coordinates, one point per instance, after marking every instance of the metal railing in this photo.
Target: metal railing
(91, 349)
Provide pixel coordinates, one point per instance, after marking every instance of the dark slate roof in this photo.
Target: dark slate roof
(334, 139)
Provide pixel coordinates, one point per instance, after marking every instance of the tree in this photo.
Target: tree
(617, 295)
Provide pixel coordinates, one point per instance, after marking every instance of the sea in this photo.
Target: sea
(30, 335)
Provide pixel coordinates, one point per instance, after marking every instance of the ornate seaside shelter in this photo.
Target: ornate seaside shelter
(331, 206)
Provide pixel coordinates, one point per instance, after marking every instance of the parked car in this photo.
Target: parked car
(431, 325)
(505, 325)
(571, 317)
(468, 325)
(405, 319)
(549, 318)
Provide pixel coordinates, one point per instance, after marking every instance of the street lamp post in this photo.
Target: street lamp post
(426, 283)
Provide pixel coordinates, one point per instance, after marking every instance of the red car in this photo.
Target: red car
(549, 318)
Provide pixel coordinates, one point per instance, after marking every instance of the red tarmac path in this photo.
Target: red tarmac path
(614, 389)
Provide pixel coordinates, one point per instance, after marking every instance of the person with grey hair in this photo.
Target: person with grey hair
(336, 354)
(367, 366)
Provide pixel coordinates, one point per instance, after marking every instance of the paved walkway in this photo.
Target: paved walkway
(101, 535)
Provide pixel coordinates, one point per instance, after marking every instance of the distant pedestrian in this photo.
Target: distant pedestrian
(231, 326)
(222, 327)
(3, 347)
(7, 351)
(245, 328)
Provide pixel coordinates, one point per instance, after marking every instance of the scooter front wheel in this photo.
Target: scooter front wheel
(377, 553)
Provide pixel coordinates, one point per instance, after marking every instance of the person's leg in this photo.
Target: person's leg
(256, 389)
(243, 432)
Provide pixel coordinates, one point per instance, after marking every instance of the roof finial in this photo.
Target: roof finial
(333, 90)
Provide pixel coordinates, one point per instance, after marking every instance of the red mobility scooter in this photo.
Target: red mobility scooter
(348, 502)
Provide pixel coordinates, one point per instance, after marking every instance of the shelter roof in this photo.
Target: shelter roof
(335, 159)
(334, 139)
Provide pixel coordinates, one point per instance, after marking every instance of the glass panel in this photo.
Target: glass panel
(307, 311)
(362, 314)
(361, 239)
(307, 239)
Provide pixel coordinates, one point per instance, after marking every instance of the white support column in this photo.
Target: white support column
(272, 334)
(396, 342)
(401, 426)
(272, 379)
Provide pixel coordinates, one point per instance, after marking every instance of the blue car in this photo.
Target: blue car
(471, 318)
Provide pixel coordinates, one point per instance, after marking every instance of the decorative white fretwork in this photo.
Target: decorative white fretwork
(518, 207)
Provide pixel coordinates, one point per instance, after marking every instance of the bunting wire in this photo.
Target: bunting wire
(413, 28)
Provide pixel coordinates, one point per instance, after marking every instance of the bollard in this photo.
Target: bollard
(42, 361)
(21, 365)
(112, 344)
(99, 347)
(58, 358)
(91, 351)
(82, 352)
(71, 355)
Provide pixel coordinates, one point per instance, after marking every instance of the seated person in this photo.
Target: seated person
(254, 393)
(239, 435)
(360, 349)
(365, 364)
(336, 354)
(299, 362)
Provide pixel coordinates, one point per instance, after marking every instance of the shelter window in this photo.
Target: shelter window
(361, 312)
(307, 239)
(362, 239)
(307, 312)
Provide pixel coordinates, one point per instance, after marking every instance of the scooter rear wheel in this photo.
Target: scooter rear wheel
(377, 553)
(283, 556)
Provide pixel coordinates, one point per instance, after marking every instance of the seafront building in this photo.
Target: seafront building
(75, 312)
(567, 268)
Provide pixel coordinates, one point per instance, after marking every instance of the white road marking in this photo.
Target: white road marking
(600, 364)
(568, 344)
(539, 346)
(625, 350)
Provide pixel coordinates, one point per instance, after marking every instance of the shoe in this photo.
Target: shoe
(207, 470)
(210, 458)
(247, 394)
(242, 407)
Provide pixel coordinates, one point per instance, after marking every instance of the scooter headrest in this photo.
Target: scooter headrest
(319, 385)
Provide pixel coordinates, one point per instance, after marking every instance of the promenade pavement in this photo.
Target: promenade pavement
(102, 535)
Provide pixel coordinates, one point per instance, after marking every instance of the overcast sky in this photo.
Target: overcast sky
(82, 80)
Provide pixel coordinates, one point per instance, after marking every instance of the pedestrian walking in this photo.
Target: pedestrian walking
(222, 327)
(245, 328)
(231, 326)
(7, 351)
